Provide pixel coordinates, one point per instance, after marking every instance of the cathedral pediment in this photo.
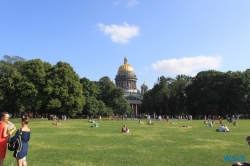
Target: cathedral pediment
(131, 97)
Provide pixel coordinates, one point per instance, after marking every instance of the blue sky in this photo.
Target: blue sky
(159, 37)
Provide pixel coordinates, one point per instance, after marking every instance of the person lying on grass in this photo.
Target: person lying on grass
(91, 121)
(185, 127)
(139, 122)
(171, 122)
(243, 164)
(206, 122)
(56, 123)
(95, 125)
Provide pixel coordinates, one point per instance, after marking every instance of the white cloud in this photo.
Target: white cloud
(120, 33)
(132, 3)
(189, 65)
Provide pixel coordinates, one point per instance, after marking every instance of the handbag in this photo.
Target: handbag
(14, 144)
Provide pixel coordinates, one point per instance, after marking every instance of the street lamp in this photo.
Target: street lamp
(122, 111)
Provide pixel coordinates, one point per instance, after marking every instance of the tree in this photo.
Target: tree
(177, 99)
(91, 91)
(112, 96)
(156, 100)
(215, 93)
(34, 73)
(246, 87)
(10, 78)
(65, 90)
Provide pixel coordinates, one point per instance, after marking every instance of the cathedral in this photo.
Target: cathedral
(126, 79)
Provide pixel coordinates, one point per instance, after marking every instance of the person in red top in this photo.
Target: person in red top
(221, 122)
(3, 136)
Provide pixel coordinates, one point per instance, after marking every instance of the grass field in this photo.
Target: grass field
(75, 143)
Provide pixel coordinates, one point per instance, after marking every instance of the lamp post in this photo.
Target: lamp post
(122, 110)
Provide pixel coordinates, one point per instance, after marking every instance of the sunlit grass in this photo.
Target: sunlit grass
(74, 142)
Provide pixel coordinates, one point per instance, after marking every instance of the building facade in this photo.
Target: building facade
(126, 79)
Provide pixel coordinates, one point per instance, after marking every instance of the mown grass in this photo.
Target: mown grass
(75, 143)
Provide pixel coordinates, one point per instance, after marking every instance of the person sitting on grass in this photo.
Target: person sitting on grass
(223, 128)
(226, 128)
(125, 129)
(235, 123)
(210, 124)
(150, 122)
(95, 125)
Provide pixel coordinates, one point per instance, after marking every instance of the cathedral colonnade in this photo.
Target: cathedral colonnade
(134, 108)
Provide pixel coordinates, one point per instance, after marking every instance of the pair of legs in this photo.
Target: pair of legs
(21, 161)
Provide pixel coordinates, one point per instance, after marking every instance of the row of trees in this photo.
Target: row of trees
(209, 92)
(57, 89)
(47, 89)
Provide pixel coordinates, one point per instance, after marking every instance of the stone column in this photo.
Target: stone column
(136, 110)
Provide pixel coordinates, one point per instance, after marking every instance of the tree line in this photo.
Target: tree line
(208, 93)
(56, 89)
(42, 88)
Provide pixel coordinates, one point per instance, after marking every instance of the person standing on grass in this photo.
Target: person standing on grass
(21, 154)
(4, 133)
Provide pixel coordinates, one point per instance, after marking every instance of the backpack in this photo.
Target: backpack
(15, 144)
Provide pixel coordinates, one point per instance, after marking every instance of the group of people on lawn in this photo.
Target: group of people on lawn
(222, 128)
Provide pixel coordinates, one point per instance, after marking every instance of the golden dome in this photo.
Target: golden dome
(125, 68)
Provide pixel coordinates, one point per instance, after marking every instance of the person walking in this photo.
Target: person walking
(21, 153)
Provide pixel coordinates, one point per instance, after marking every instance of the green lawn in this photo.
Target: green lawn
(76, 143)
